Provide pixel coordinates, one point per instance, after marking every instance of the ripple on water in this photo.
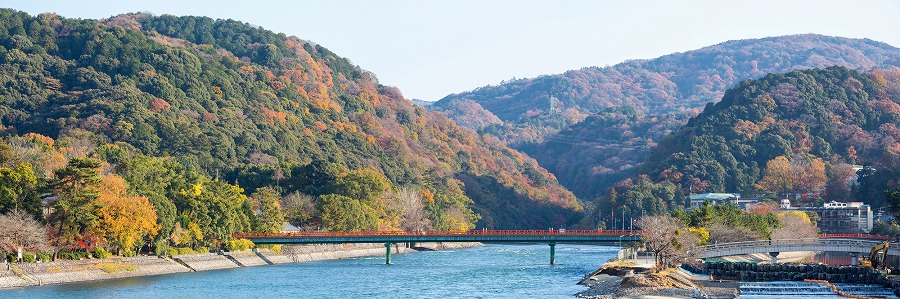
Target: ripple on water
(494, 271)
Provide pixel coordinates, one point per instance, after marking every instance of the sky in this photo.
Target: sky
(430, 49)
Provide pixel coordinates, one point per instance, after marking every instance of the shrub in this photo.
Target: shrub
(100, 252)
(10, 258)
(72, 255)
(28, 258)
(179, 250)
(238, 244)
(273, 247)
(116, 267)
(45, 257)
(162, 248)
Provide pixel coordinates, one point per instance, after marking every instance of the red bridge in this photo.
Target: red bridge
(606, 237)
(550, 237)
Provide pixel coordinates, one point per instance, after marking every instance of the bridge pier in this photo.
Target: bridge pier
(853, 260)
(388, 255)
(774, 256)
(553, 253)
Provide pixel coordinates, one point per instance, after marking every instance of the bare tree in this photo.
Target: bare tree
(412, 209)
(721, 233)
(794, 225)
(298, 207)
(659, 234)
(684, 248)
(19, 230)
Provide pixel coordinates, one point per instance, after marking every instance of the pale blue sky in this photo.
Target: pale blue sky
(433, 48)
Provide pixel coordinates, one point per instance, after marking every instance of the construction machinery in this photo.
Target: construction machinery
(877, 256)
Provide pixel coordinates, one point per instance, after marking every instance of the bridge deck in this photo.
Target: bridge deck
(543, 236)
(845, 245)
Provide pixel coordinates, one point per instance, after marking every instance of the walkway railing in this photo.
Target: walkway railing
(442, 233)
(854, 236)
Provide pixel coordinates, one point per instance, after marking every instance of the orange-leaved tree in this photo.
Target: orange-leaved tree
(125, 221)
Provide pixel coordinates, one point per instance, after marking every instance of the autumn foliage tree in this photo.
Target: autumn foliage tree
(783, 176)
(125, 221)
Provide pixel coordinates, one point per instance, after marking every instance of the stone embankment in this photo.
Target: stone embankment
(796, 272)
(34, 274)
(30, 274)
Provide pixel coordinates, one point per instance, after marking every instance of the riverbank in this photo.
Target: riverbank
(617, 280)
(632, 278)
(60, 272)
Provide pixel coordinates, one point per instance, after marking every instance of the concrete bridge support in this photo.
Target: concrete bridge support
(553, 253)
(388, 255)
(774, 256)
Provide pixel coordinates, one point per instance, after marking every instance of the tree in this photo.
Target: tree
(721, 233)
(812, 173)
(412, 208)
(364, 185)
(298, 208)
(341, 213)
(18, 190)
(268, 210)
(77, 188)
(794, 225)
(19, 230)
(153, 178)
(659, 234)
(125, 221)
(218, 208)
(838, 186)
(784, 176)
(893, 199)
(779, 176)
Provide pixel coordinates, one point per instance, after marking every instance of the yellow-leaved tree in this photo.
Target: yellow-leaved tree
(125, 221)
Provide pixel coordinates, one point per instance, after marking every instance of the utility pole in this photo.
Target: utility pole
(623, 219)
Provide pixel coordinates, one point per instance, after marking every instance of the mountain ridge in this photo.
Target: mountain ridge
(664, 92)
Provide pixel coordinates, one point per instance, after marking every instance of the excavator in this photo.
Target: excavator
(876, 257)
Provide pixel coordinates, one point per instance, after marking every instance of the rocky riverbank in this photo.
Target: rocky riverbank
(35, 274)
(621, 282)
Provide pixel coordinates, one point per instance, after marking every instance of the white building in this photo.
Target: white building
(841, 217)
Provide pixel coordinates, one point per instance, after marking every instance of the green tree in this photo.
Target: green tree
(220, 209)
(268, 210)
(75, 210)
(19, 190)
(365, 185)
(342, 213)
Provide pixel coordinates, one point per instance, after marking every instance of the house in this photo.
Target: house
(697, 200)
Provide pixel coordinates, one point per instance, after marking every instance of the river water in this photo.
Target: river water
(493, 271)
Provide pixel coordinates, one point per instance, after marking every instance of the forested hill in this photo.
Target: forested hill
(257, 108)
(661, 94)
(802, 129)
(526, 110)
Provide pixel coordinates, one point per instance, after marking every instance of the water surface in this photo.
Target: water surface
(493, 271)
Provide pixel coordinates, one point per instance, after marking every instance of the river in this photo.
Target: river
(492, 271)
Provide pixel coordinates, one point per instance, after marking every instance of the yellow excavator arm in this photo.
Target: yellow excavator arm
(878, 254)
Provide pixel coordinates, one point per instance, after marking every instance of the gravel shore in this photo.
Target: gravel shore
(639, 283)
